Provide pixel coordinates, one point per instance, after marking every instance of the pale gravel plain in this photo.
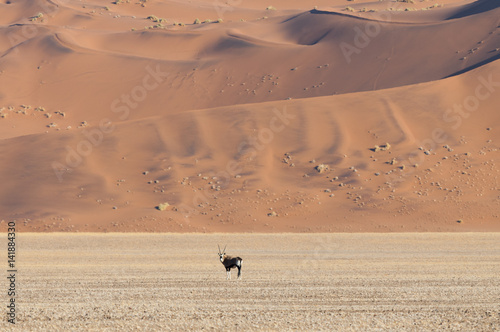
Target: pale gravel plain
(291, 282)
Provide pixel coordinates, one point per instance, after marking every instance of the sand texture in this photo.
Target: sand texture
(320, 282)
(247, 116)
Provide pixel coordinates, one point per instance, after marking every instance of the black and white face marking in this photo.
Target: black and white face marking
(221, 256)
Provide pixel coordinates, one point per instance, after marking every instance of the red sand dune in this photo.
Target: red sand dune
(109, 110)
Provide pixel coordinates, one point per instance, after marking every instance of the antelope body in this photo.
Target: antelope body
(230, 263)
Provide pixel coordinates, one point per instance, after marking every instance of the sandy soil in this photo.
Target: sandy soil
(109, 110)
(348, 282)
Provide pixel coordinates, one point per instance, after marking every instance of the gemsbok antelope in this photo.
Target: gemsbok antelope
(230, 263)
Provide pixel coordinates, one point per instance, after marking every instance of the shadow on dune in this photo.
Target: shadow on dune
(477, 7)
(477, 65)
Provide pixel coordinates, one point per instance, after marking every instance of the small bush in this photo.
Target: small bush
(321, 168)
(384, 147)
(153, 18)
(163, 206)
(36, 17)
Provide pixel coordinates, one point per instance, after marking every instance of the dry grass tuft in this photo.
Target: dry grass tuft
(163, 206)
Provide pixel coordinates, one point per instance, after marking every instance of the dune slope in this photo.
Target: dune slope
(374, 118)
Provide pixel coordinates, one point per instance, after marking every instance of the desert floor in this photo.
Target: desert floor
(132, 282)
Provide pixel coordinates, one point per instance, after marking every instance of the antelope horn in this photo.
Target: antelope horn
(224, 251)
(219, 248)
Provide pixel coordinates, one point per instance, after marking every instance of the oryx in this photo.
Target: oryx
(230, 262)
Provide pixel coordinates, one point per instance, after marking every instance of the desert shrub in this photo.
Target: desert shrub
(163, 206)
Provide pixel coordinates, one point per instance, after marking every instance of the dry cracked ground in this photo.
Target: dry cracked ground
(343, 282)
